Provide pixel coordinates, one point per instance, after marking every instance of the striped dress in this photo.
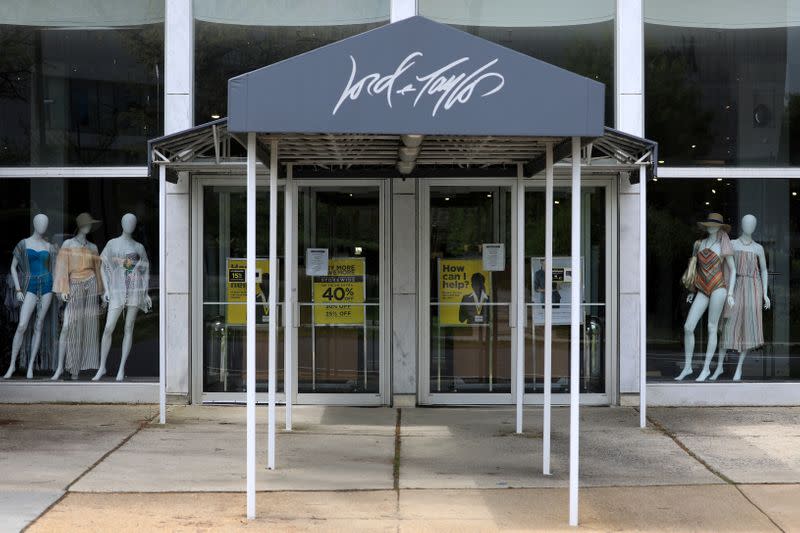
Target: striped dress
(77, 274)
(744, 329)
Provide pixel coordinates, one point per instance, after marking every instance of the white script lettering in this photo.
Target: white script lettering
(446, 85)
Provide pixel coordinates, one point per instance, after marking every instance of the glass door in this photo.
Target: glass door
(222, 254)
(467, 291)
(597, 328)
(339, 290)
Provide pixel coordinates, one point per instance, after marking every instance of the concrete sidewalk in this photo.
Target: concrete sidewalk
(110, 467)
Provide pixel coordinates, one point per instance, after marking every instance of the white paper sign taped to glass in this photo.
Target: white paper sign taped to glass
(562, 289)
(316, 261)
(237, 291)
(494, 257)
(465, 289)
(340, 292)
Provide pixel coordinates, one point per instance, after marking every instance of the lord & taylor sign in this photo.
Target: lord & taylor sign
(442, 88)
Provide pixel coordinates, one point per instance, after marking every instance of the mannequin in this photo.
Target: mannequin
(33, 285)
(126, 278)
(744, 329)
(77, 279)
(713, 289)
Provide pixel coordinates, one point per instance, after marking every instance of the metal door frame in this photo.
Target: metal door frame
(612, 297)
(384, 245)
(199, 184)
(197, 394)
(423, 295)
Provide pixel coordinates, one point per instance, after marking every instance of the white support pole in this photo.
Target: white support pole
(520, 304)
(273, 300)
(251, 325)
(548, 306)
(162, 294)
(574, 329)
(642, 296)
(288, 295)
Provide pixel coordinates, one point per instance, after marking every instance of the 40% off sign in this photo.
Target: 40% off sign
(338, 294)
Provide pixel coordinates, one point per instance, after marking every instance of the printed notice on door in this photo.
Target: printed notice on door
(562, 289)
(465, 290)
(339, 296)
(236, 310)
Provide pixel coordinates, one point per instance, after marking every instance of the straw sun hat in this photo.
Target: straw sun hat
(714, 220)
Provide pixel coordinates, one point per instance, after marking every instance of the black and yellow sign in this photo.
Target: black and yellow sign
(464, 290)
(237, 291)
(339, 290)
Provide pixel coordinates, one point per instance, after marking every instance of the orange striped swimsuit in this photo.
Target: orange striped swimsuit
(709, 275)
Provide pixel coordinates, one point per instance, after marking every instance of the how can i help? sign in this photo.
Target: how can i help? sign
(340, 292)
(455, 288)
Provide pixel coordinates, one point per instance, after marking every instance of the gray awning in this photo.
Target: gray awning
(416, 76)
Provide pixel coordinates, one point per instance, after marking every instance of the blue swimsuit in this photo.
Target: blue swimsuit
(41, 281)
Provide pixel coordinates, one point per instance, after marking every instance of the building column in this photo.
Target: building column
(629, 99)
(404, 292)
(178, 115)
(402, 9)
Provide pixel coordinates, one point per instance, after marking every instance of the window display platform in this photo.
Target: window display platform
(27, 391)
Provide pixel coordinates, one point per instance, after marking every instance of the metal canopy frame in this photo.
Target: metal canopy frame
(544, 116)
(212, 148)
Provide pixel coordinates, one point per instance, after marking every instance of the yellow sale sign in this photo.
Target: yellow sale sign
(464, 290)
(237, 291)
(339, 291)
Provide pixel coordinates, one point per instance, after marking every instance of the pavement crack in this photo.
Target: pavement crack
(656, 424)
(396, 461)
(91, 467)
(762, 511)
(121, 443)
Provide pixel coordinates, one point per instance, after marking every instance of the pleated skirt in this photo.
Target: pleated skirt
(81, 325)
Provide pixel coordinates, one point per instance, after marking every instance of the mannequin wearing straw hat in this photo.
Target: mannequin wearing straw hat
(77, 279)
(713, 286)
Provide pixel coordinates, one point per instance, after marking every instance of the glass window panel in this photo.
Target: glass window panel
(470, 306)
(79, 85)
(770, 337)
(232, 38)
(722, 84)
(109, 275)
(577, 35)
(338, 340)
(224, 251)
(593, 315)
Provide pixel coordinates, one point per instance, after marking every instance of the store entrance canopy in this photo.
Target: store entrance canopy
(416, 76)
(411, 98)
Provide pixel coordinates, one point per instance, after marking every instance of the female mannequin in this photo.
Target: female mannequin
(713, 254)
(77, 280)
(744, 328)
(32, 259)
(126, 278)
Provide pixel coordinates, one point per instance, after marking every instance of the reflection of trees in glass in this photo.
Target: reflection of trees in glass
(674, 114)
(78, 118)
(122, 110)
(790, 131)
(223, 51)
(593, 59)
(16, 65)
(585, 49)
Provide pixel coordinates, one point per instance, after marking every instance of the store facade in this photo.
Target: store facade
(395, 247)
